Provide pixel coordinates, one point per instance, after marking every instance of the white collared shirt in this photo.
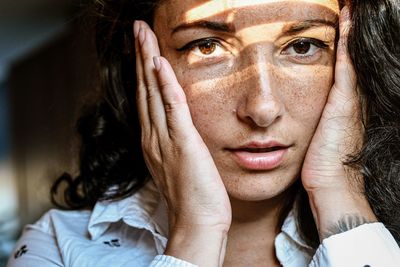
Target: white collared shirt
(133, 233)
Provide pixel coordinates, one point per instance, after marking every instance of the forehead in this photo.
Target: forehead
(175, 12)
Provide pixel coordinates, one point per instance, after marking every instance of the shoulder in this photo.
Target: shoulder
(66, 222)
(39, 246)
(110, 235)
(55, 220)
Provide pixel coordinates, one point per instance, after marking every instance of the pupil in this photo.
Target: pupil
(207, 48)
(302, 47)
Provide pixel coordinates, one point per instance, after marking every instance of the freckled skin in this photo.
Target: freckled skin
(273, 98)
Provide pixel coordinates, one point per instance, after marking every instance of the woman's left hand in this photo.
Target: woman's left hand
(336, 191)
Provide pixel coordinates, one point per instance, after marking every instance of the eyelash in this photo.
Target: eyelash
(196, 43)
(200, 42)
(313, 41)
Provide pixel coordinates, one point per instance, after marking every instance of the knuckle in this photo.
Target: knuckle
(140, 94)
(171, 107)
(166, 84)
(148, 143)
(184, 141)
(139, 82)
(147, 58)
(152, 153)
(151, 85)
(152, 96)
(154, 40)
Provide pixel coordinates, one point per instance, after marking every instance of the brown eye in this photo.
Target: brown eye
(305, 50)
(302, 47)
(208, 47)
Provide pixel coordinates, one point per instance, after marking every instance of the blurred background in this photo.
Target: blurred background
(46, 69)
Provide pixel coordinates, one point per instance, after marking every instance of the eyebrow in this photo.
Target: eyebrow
(211, 25)
(291, 29)
(298, 27)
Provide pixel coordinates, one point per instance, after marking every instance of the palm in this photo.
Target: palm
(340, 131)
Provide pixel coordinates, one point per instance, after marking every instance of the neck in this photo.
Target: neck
(254, 227)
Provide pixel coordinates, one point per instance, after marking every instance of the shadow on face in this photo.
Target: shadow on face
(252, 71)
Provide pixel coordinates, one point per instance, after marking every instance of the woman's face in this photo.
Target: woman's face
(256, 75)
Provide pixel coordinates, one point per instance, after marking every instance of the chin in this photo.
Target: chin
(258, 188)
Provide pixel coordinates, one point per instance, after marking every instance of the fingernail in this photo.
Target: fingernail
(157, 63)
(142, 36)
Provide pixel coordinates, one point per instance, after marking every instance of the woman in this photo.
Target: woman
(245, 122)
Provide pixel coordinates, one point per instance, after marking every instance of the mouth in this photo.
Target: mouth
(260, 156)
(261, 150)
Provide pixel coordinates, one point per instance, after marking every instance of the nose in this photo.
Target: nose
(260, 104)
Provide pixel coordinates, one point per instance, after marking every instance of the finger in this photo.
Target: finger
(178, 118)
(150, 49)
(141, 94)
(345, 73)
(345, 93)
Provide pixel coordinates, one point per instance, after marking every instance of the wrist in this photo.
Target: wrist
(337, 211)
(199, 245)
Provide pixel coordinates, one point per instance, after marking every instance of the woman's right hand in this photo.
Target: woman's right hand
(180, 163)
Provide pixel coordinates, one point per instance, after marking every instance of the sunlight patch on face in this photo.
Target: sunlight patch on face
(228, 81)
(271, 33)
(260, 73)
(266, 35)
(215, 7)
(262, 33)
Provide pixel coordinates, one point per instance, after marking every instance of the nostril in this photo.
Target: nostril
(259, 107)
(263, 114)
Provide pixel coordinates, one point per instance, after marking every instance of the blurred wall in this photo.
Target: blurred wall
(21, 6)
(47, 89)
(46, 70)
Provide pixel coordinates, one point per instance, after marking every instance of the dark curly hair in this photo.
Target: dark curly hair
(111, 161)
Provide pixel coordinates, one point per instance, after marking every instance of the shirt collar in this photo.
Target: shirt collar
(143, 210)
(146, 210)
(291, 228)
(290, 248)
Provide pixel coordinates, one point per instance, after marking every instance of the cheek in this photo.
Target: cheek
(305, 93)
(210, 97)
(211, 106)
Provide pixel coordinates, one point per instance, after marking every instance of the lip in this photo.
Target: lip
(252, 156)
